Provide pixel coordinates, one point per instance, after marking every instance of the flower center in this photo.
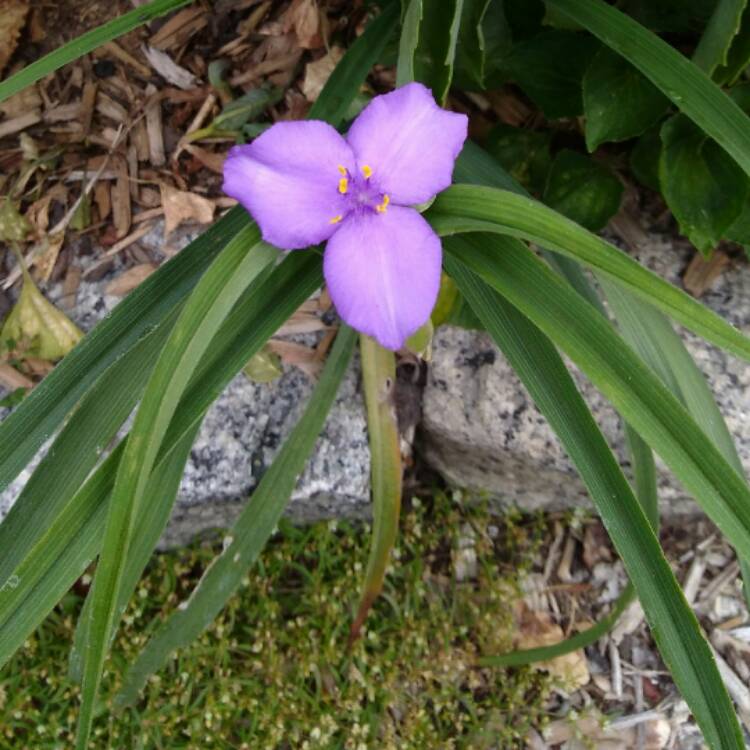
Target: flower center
(361, 192)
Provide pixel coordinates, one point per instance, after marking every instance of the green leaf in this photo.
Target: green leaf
(716, 41)
(739, 54)
(525, 154)
(209, 304)
(347, 78)
(545, 376)
(644, 159)
(436, 49)
(703, 186)
(86, 43)
(378, 384)
(249, 533)
(407, 47)
(535, 65)
(685, 84)
(633, 389)
(14, 227)
(484, 39)
(467, 208)
(36, 328)
(618, 101)
(583, 190)
(263, 308)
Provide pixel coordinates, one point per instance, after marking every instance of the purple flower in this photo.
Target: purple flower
(304, 184)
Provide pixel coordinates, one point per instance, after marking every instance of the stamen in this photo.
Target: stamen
(343, 185)
(342, 170)
(336, 219)
(380, 208)
(367, 171)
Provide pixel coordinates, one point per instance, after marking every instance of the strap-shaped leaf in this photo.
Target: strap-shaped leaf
(639, 396)
(544, 374)
(249, 533)
(206, 309)
(468, 208)
(86, 43)
(262, 310)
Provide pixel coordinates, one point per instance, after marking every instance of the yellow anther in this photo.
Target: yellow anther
(367, 171)
(343, 185)
(336, 219)
(342, 170)
(380, 208)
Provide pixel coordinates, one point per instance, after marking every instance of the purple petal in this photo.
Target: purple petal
(409, 143)
(288, 179)
(383, 273)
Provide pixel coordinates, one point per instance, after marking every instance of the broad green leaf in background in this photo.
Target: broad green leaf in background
(525, 154)
(86, 43)
(408, 42)
(673, 624)
(644, 159)
(723, 26)
(36, 328)
(436, 49)
(550, 67)
(683, 82)
(249, 533)
(582, 189)
(469, 208)
(378, 384)
(702, 184)
(618, 101)
(484, 39)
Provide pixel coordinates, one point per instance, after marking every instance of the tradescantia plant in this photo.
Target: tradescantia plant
(179, 338)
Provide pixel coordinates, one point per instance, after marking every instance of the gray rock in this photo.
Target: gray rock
(242, 433)
(481, 430)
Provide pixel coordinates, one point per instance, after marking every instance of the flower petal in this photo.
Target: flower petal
(288, 179)
(409, 143)
(383, 273)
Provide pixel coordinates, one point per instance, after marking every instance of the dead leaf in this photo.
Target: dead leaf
(12, 19)
(701, 273)
(26, 100)
(299, 355)
(130, 279)
(537, 629)
(180, 206)
(264, 367)
(303, 17)
(318, 72)
(36, 328)
(45, 263)
(13, 226)
(592, 731)
(11, 379)
(168, 69)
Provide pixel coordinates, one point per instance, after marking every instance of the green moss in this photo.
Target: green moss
(274, 672)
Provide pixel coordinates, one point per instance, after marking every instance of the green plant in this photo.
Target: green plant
(184, 333)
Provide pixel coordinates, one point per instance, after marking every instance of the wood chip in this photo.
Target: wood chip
(70, 288)
(12, 379)
(701, 273)
(108, 107)
(12, 20)
(130, 279)
(88, 102)
(209, 159)
(168, 69)
(179, 28)
(117, 248)
(283, 62)
(303, 17)
(21, 103)
(154, 129)
(121, 211)
(16, 124)
(115, 50)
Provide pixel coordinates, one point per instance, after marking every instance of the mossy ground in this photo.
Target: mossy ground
(274, 671)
